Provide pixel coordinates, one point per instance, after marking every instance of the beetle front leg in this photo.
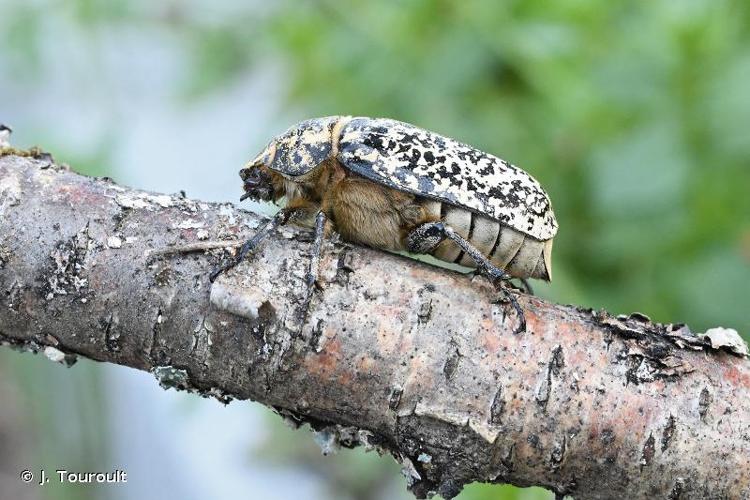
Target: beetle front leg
(281, 218)
(425, 238)
(311, 278)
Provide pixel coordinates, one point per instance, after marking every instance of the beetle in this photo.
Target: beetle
(394, 186)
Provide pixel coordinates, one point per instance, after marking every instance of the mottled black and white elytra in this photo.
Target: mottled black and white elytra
(424, 163)
(395, 186)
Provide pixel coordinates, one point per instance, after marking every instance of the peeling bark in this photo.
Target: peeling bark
(394, 354)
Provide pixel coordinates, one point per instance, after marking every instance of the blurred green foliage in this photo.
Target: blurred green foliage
(633, 115)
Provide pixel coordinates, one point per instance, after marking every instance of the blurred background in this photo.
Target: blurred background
(635, 117)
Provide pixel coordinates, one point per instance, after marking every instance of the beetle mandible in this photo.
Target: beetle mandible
(394, 186)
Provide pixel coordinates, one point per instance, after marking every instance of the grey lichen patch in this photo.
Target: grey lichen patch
(331, 438)
(288, 232)
(170, 377)
(189, 224)
(114, 242)
(65, 275)
(227, 212)
(141, 200)
(328, 441)
(641, 370)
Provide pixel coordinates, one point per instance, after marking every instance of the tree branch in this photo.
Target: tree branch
(394, 354)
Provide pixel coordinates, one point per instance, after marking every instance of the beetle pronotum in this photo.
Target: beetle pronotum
(394, 186)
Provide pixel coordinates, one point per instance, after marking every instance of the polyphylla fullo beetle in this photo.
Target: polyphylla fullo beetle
(394, 186)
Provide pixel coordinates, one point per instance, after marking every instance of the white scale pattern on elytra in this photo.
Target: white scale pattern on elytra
(415, 160)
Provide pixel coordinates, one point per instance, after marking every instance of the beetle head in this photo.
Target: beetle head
(257, 181)
(292, 155)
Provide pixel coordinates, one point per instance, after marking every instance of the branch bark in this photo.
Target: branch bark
(394, 354)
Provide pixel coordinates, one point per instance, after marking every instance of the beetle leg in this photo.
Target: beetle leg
(311, 278)
(524, 285)
(281, 218)
(425, 238)
(527, 286)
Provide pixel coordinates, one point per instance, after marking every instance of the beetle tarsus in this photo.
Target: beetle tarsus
(509, 298)
(281, 218)
(427, 237)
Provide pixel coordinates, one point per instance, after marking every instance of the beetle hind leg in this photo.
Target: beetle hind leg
(425, 238)
(523, 285)
(527, 286)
